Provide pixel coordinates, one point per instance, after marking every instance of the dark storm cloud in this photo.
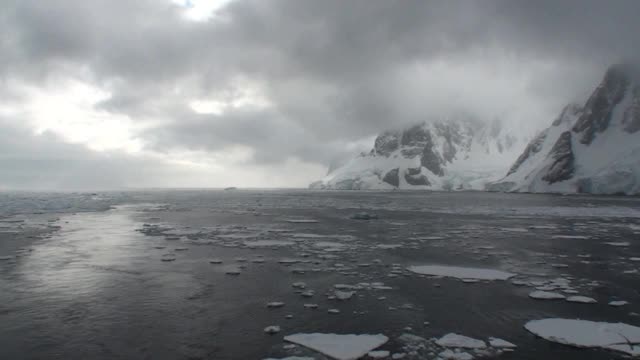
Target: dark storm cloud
(333, 71)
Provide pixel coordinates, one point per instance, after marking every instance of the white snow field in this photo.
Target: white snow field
(588, 334)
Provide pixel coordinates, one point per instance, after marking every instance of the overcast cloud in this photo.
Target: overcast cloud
(139, 93)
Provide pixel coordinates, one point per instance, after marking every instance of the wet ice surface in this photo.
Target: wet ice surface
(229, 275)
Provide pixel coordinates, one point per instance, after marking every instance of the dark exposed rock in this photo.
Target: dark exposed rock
(562, 167)
(392, 178)
(413, 171)
(452, 135)
(413, 177)
(386, 143)
(430, 158)
(631, 118)
(414, 140)
(415, 136)
(532, 148)
(599, 108)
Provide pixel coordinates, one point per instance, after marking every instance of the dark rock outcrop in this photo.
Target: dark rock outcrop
(562, 167)
(631, 118)
(599, 108)
(534, 147)
(392, 178)
(413, 176)
(430, 158)
(414, 140)
(386, 143)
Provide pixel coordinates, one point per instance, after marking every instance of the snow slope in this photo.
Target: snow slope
(453, 153)
(591, 149)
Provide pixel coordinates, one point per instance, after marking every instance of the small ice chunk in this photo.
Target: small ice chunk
(379, 354)
(308, 293)
(275, 304)
(461, 272)
(215, 261)
(364, 216)
(618, 303)
(299, 285)
(452, 355)
(546, 295)
(337, 346)
(301, 221)
(576, 237)
(500, 343)
(619, 243)
(588, 334)
(581, 299)
(344, 295)
(333, 311)
(311, 306)
(268, 243)
(273, 329)
(460, 341)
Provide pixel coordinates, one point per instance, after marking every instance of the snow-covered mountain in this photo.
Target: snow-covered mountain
(593, 148)
(458, 152)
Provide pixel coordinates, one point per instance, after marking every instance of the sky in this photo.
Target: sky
(110, 94)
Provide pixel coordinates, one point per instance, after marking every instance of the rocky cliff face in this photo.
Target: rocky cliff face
(459, 152)
(592, 148)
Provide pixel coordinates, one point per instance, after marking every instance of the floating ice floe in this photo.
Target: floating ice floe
(339, 347)
(575, 237)
(460, 341)
(215, 261)
(378, 354)
(275, 304)
(388, 246)
(520, 230)
(364, 216)
(168, 257)
(619, 243)
(299, 285)
(273, 329)
(501, 344)
(333, 311)
(588, 334)
(582, 299)
(634, 258)
(452, 355)
(268, 243)
(343, 295)
(618, 303)
(461, 272)
(546, 295)
(301, 221)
